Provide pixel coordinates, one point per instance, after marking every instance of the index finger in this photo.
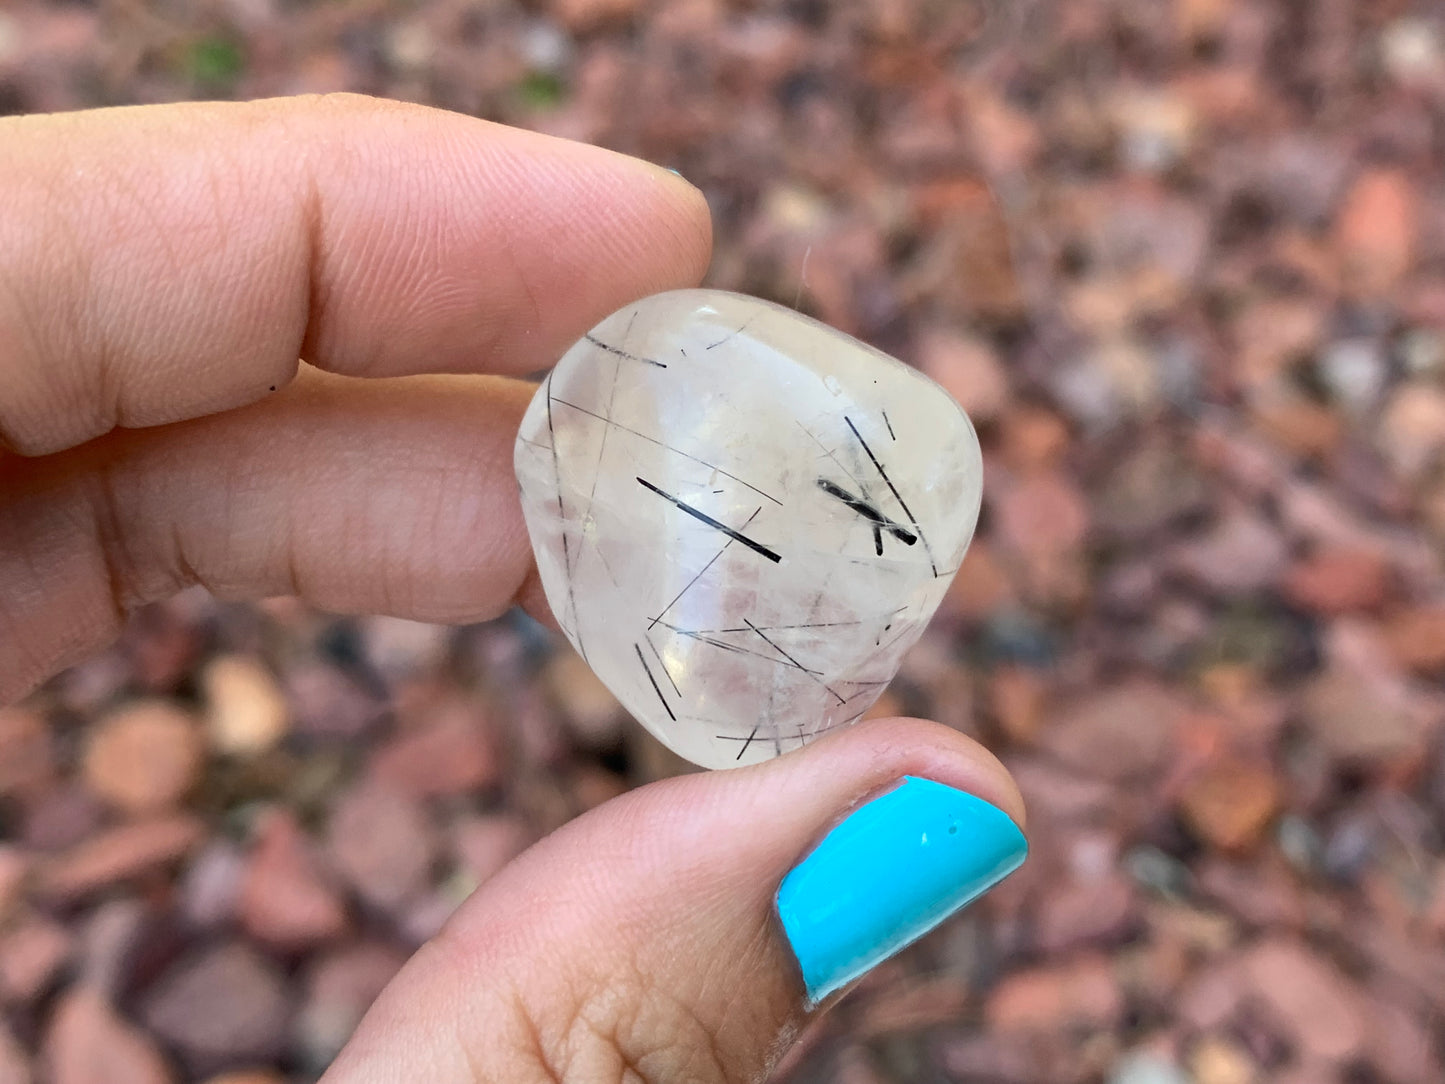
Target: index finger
(163, 262)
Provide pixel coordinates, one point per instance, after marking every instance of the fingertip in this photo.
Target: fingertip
(693, 229)
(531, 597)
(879, 752)
(640, 204)
(494, 250)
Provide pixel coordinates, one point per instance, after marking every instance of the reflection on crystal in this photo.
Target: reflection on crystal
(743, 518)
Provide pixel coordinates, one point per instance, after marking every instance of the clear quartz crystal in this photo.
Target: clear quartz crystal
(743, 518)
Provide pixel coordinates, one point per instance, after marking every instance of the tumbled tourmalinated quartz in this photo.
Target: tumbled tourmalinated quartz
(742, 517)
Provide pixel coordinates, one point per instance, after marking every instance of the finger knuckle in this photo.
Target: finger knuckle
(624, 1031)
(43, 407)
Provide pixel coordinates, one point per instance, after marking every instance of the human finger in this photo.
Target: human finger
(687, 930)
(377, 496)
(158, 263)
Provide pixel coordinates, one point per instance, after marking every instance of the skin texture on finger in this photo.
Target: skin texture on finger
(641, 938)
(380, 496)
(158, 263)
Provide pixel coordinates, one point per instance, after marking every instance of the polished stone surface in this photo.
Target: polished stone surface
(742, 517)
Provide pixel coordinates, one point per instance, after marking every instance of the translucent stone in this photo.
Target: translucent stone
(742, 517)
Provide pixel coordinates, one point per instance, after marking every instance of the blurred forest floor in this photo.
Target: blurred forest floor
(1184, 264)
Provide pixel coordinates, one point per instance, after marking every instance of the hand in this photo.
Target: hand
(162, 269)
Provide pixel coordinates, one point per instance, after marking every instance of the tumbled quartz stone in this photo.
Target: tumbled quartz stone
(742, 517)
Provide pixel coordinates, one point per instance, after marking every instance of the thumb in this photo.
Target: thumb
(685, 931)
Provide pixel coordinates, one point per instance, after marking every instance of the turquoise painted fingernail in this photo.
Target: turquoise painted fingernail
(889, 873)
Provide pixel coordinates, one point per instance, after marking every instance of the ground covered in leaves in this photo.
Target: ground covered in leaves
(1183, 262)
